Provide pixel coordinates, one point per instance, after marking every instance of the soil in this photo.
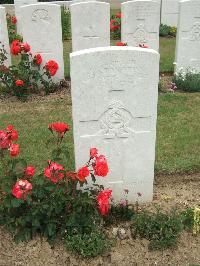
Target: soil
(179, 191)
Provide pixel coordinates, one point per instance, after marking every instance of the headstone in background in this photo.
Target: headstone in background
(140, 23)
(188, 36)
(18, 4)
(170, 12)
(4, 35)
(90, 25)
(114, 103)
(41, 28)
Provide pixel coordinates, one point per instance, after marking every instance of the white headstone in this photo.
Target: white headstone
(188, 37)
(169, 12)
(140, 23)
(90, 22)
(42, 30)
(114, 100)
(18, 5)
(4, 34)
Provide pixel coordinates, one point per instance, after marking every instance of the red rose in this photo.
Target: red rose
(10, 128)
(118, 15)
(103, 201)
(13, 20)
(19, 83)
(21, 189)
(14, 135)
(26, 47)
(93, 152)
(38, 59)
(14, 150)
(83, 173)
(53, 172)
(121, 44)
(100, 166)
(5, 142)
(15, 47)
(59, 127)
(29, 171)
(52, 67)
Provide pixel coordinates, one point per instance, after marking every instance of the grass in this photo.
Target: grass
(178, 130)
(178, 133)
(167, 54)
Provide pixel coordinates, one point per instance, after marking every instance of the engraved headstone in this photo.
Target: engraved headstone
(140, 23)
(114, 100)
(42, 30)
(4, 35)
(90, 22)
(18, 4)
(188, 36)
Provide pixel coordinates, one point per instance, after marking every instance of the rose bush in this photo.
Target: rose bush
(115, 26)
(52, 201)
(28, 76)
(12, 31)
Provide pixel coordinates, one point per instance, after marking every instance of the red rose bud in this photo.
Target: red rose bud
(83, 173)
(13, 20)
(38, 59)
(15, 47)
(14, 150)
(59, 127)
(29, 171)
(19, 83)
(100, 166)
(121, 44)
(93, 152)
(26, 47)
(103, 201)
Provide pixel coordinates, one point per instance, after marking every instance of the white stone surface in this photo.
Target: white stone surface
(169, 13)
(4, 34)
(188, 37)
(140, 23)
(90, 23)
(18, 4)
(114, 100)
(42, 30)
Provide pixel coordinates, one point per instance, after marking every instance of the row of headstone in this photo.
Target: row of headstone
(90, 24)
(41, 27)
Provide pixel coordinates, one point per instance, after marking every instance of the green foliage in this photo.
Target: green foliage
(66, 24)
(187, 217)
(119, 213)
(188, 81)
(89, 245)
(161, 229)
(12, 30)
(166, 30)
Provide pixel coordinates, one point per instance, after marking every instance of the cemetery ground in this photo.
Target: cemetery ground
(176, 184)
